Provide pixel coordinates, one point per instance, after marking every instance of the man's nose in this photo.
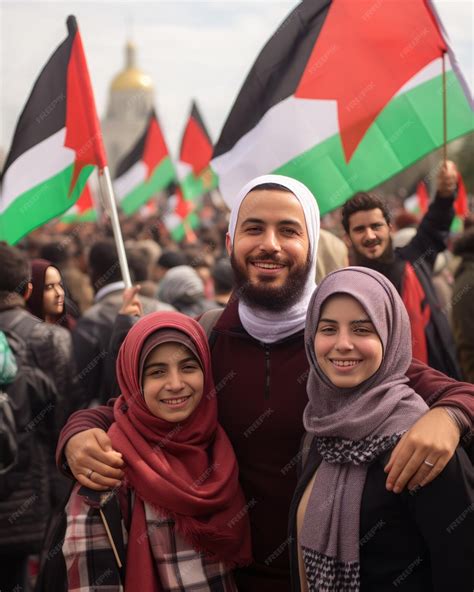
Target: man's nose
(370, 234)
(270, 241)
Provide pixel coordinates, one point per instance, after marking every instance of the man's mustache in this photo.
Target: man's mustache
(372, 243)
(269, 257)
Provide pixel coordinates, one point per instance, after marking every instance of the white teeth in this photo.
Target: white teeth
(268, 265)
(175, 401)
(345, 363)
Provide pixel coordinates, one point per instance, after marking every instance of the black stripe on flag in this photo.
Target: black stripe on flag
(276, 72)
(45, 111)
(136, 152)
(196, 115)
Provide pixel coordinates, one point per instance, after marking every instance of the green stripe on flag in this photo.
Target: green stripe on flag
(161, 177)
(88, 216)
(178, 233)
(193, 187)
(410, 127)
(40, 204)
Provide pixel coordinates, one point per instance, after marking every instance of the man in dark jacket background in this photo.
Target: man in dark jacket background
(367, 223)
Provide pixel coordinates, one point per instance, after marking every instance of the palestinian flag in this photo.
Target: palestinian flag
(83, 210)
(180, 218)
(57, 143)
(195, 175)
(343, 96)
(145, 170)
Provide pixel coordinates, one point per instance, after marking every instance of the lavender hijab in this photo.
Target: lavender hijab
(352, 427)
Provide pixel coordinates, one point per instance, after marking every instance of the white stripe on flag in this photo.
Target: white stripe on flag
(183, 169)
(135, 176)
(35, 166)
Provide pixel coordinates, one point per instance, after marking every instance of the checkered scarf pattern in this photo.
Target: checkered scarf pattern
(91, 564)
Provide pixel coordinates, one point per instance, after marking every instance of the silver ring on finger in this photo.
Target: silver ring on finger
(430, 464)
(89, 476)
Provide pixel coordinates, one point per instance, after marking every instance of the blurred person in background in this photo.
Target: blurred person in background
(48, 297)
(183, 288)
(167, 260)
(223, 278)
(67, 256)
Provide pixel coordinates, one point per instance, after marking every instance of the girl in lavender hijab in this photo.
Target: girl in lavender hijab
(348, 532)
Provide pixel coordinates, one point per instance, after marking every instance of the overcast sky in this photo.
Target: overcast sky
(191, 49)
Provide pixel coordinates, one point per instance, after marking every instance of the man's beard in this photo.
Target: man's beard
(385, 258)
(266, 296)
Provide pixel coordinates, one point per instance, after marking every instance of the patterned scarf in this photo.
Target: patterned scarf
(352, 427)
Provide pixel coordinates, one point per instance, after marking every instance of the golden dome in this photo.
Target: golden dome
(132, 78)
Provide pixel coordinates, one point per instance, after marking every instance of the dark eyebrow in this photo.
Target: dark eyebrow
(252, 221)
(163, 365)
(287, 221)
(356, 322)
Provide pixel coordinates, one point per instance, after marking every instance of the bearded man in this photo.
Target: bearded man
(366, 220)
(260, 372)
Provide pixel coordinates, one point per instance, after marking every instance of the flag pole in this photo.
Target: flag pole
(111, 209)
(445, 116)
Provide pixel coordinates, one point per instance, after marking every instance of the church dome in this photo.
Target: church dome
(131, 78)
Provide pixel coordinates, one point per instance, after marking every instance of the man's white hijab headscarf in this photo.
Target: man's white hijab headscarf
(266, 325)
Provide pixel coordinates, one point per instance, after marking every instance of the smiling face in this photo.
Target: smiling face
(347, 346)
(369, 233)
(53, 294)
(173, 382)
(270, 249)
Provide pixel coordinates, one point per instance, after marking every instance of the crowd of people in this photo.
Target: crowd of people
(269, 407)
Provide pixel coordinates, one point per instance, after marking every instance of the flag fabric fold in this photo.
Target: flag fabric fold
(56, 144)
(343, 96)
(146, 170)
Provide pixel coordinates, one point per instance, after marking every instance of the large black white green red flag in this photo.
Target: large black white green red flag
(146, 170)
(56, 144)
(343, 96)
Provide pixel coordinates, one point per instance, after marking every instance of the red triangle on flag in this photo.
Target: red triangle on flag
(365, 53)
(196, 146)
(83, 133)
(85, 201)
(155, 147)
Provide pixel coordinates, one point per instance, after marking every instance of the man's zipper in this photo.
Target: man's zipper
(267, 372)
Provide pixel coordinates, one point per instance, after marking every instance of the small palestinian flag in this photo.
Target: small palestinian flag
(196, 176)
(343, 96)
(146, 170)
(83, 210)
(57, 143)
(180, 218)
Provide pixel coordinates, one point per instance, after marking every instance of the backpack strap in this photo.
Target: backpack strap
(208, 321)
(108, 506)
(111, 517)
